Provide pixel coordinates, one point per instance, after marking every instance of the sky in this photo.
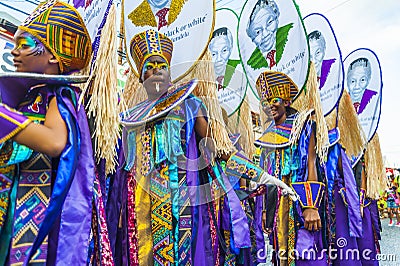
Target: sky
(357, 24)
(366, 24)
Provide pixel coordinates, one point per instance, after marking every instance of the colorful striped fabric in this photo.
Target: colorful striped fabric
(277, 135)
(148, 43)
(271, 84)
(61, 29)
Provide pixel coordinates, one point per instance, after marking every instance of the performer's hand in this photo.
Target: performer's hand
(312, 221)
(362, 211)
(264, 224)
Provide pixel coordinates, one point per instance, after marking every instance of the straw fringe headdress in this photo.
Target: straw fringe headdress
(104, 98)
(241, 122)
(374, 168)
(206, 90)
(309, 99)
(352, 136)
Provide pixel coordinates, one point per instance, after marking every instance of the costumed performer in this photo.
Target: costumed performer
(162, 208)
(289, 153)
(47, 166)
(344, 221)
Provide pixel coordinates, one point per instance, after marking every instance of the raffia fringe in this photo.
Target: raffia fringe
(352, 136)
(309, 99)
(330, 119)
(206, 90)
(301, 103)
(134, 92)
(375, 169)
(265, 121)
(103, 105)
(240, 122)
(298, 125)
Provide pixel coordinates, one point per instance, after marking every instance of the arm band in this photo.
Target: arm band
(310, 193)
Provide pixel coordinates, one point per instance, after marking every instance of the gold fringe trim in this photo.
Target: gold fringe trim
(103, 105)
(143, 15)
(175, 9)
(206, 90)
(309, 99)
(241, 122)
(352, 136)
(265, 121)
(375, 168)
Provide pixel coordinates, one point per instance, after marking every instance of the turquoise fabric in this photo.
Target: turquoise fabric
(20, 153)
(131, 152)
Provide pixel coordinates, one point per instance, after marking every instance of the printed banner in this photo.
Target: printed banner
(189, 24)
(272, 36)
(235, 6)
(19, 9)
(230, 78)
(93, 13)
(363, 81)
(6, 59)
(327, 58)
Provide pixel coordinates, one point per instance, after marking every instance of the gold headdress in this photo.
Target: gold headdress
(148, 43)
